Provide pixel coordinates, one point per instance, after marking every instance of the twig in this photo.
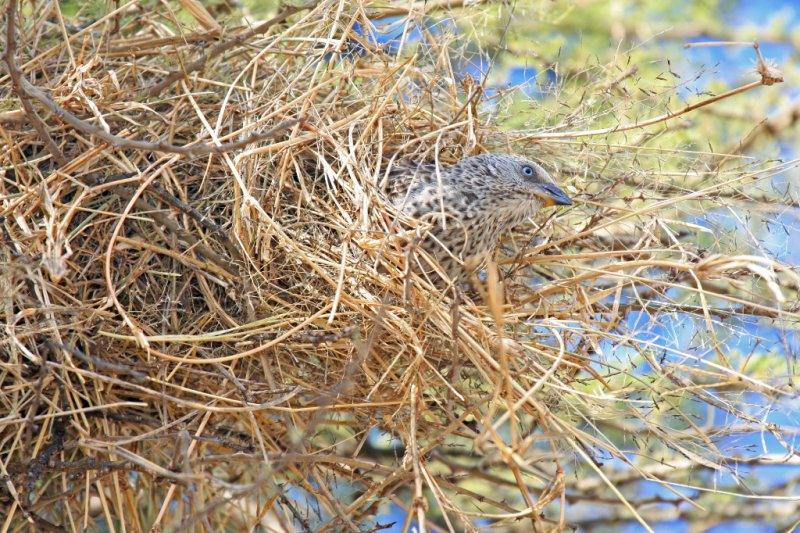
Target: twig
(23, 86)
(648, 122)
(423, 8)
(200, 63)
(97, 361)
(770, 75)
(19, 81)
(198, 217)
(169, 224)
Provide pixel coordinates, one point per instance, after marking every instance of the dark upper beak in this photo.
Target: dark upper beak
(552, 195)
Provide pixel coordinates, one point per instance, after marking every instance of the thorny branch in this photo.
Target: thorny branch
(770, 75)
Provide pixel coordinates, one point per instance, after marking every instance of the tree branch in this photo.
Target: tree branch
(18, 81)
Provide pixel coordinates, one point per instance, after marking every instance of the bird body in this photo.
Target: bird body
(470, 203)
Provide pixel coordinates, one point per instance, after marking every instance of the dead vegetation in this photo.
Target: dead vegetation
(210, 315)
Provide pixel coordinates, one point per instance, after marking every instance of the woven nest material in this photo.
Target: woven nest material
(217, 337)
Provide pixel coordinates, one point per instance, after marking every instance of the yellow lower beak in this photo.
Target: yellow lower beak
(551, 195)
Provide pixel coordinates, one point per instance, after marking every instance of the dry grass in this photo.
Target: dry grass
(211, 338)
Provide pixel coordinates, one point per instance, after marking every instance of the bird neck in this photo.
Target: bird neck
(518, 212)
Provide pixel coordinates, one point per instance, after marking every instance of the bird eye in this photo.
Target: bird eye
(528, 171)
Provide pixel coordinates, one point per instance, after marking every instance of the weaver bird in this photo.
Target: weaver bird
(470, 203)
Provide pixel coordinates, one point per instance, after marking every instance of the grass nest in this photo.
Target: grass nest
(213, 320)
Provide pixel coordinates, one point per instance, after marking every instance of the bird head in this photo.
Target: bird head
(515, 178)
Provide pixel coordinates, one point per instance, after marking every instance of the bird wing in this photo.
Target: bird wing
(405, 177)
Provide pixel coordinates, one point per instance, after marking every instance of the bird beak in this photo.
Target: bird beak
(552, 195)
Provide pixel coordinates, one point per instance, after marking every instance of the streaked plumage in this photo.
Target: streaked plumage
(470, 203)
